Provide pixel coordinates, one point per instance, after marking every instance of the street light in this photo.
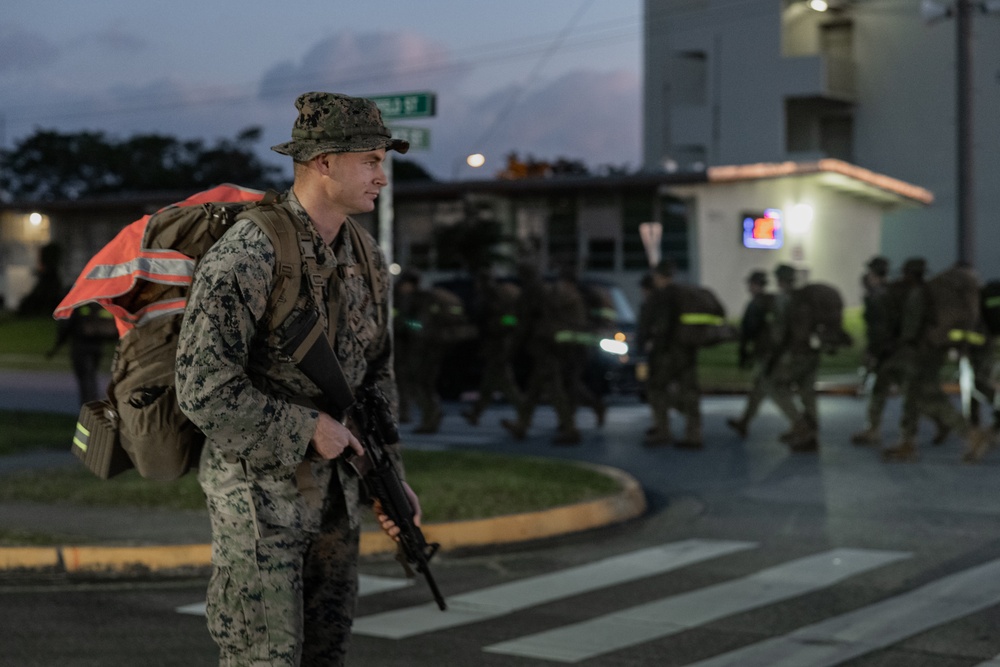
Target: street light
(475, 160)
(961, 11)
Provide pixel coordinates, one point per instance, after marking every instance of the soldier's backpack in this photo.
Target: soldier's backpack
(701, 318)
(955, 307)
(816, 318)
(143, 277)
(449, 322)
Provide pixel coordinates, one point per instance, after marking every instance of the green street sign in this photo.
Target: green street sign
(406, 105)
(419, 137)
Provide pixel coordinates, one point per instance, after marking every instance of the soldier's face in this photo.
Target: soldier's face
(355, 180)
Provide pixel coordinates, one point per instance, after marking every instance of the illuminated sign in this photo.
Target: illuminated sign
(763, 230)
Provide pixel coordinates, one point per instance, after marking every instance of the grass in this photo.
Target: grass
(25, 431)
(452, 486)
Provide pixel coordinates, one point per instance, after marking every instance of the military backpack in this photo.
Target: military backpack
(816, 318)
(140, 424)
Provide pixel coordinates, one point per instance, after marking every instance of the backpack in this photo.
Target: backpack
(816, 318)
(955, 307)
(448, 322)
(143, 277)
(701, 318)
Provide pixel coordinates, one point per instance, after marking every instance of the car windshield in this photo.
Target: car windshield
(613, 297)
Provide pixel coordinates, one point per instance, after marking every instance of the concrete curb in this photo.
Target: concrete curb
(627, 504)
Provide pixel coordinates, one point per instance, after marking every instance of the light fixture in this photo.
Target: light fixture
(476, 160)
(35, 219)
(819, 5)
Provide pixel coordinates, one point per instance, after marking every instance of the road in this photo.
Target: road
(750, 556)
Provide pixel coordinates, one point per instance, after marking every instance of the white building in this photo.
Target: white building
(870, 82)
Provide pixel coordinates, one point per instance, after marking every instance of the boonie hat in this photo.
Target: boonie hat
(335, 123)
(757, 277)
(784, 273)
(879, 265)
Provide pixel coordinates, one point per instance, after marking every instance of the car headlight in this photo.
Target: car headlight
(612, 346)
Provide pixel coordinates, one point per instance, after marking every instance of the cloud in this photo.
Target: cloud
(23, 50)
(116, 42)
(365, 64)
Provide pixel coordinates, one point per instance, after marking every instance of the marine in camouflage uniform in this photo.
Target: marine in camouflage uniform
(793, 368)
(285, 512)
(673, 368)
(496, 319)
(755, 348)
(881, 331)
(922, 393)
(402, 337)
(536, 337)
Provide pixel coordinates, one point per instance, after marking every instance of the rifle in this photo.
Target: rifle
(370, 413)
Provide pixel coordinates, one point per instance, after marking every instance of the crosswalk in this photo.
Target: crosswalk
(832, 641)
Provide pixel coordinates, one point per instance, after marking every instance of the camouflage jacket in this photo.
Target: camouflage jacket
(247, 397)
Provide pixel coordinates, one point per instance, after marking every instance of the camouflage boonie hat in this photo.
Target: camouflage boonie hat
(334, 123)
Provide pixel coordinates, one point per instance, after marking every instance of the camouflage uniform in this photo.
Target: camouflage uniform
(497, 321)
(755, 349)
(673, 368)
(285, 523)
(793, 368)
(536, 335)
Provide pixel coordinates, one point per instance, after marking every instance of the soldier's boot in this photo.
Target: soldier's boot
(869, 436)
(977, 444)
(943, 431)
(739, 425)
(472, 416)
(800, 430)
(600, 412)
(904, 451)
(516, 428)
(805, 437)
(658, 435)
(430, 424)
(692, 438)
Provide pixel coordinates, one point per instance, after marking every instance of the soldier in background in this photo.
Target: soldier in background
(923, 361)
(673, 368)
(756, 346)
(881, 317)
(536, 336)
(89, 329)
(403, 326)
(793, 367)
(496, 318)
(575, 338)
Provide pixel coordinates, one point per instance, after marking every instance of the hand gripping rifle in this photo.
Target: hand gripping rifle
(371, 415)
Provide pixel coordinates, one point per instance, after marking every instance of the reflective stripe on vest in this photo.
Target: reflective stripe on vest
(702, 318)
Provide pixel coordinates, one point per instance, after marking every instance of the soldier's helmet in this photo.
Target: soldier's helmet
(757, 277)
(915, 267)
(784, 273)
(879, 266)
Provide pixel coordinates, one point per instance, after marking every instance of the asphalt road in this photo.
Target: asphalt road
(750, 555)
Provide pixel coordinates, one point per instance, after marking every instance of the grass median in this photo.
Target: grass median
(453, 485)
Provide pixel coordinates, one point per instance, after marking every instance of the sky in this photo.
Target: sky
(541, 78)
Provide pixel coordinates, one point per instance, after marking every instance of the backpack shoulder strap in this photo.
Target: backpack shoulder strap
(364, 245)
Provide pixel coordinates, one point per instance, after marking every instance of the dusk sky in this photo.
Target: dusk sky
(549, 78)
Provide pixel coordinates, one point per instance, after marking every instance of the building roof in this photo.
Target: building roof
(836, 174)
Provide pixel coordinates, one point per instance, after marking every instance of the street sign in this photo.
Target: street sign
(419, 137)
(406, 105)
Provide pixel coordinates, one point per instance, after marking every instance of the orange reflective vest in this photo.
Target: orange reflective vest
(114, 272)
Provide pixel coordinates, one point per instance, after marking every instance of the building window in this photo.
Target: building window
(637, 208)
(562, 235)
(674, 244)
(690, 78)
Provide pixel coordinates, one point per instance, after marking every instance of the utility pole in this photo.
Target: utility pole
(965, 209)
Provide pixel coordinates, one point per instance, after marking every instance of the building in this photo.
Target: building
(716, 224)
(870, 82)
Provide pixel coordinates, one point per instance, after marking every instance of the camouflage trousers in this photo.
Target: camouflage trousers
(924, 395)
(794, 376)
(890, 372)
(286, 598)
(673, 382)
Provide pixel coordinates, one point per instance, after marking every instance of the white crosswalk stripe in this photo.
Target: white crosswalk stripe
(876, 626)
(507, 598)
(677, 613)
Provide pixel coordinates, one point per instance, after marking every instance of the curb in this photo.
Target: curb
(628, 503)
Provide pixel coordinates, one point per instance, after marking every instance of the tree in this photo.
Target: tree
(50, 165)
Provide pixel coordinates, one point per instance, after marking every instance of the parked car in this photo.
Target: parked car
(611, 367)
